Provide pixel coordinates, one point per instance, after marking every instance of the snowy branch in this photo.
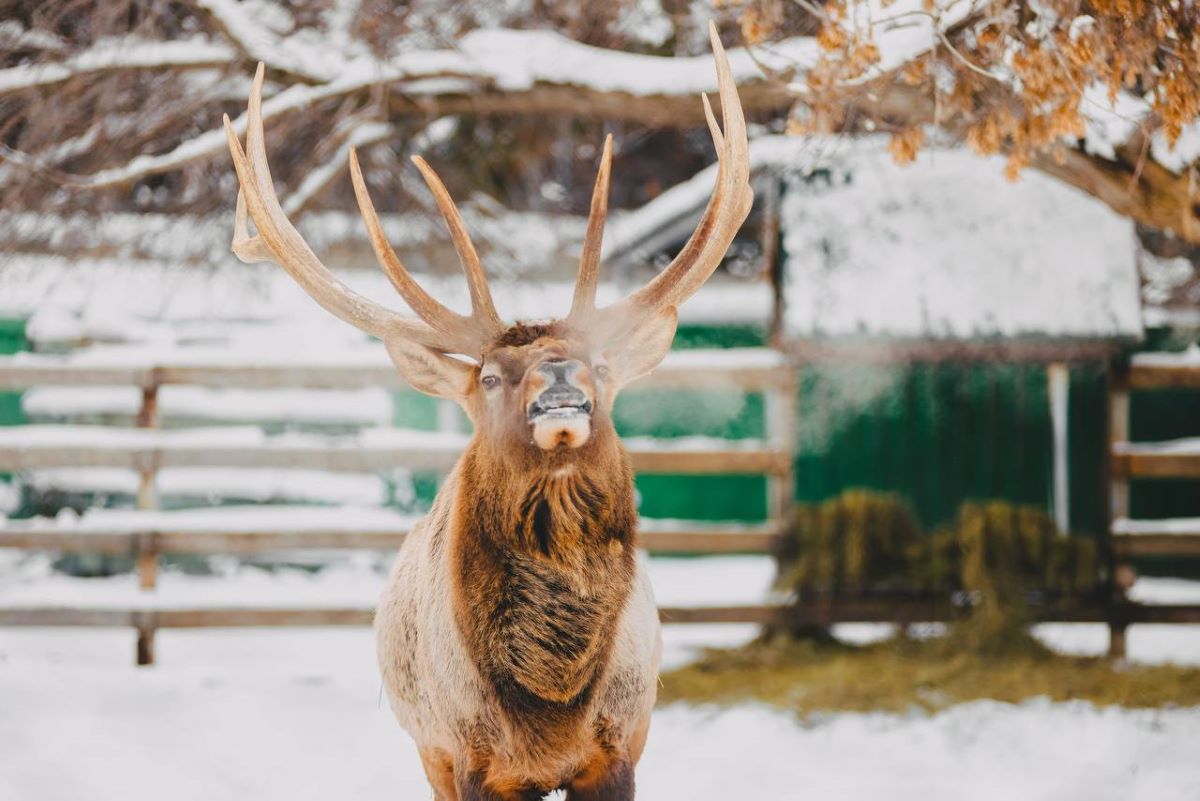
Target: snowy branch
(260, 44)
(15, 36)
(361, 135)
(501, 72)
(117, 54)
(212, 142)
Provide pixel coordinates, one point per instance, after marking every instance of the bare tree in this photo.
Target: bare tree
(115, 106)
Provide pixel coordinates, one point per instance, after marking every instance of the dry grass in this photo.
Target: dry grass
(902, 674)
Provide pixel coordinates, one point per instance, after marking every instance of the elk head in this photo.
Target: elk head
(547, 386)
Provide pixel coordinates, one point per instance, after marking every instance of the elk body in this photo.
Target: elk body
(518, 637)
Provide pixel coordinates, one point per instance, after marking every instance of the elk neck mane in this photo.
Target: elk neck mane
(543, 561)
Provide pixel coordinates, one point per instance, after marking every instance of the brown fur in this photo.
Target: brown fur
(539, 546)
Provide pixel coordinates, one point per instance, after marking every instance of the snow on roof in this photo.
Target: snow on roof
(942, 249)
(1189, 357)
(259, 305)
(947, 248)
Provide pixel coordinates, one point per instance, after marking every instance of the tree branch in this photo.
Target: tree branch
(260, 44)
(117, 54)
(361, 135)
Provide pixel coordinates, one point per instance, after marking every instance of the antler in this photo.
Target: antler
(440, 328)
(727, 210)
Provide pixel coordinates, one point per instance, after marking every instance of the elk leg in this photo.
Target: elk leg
(471, 787)
(612, 783)
(439, 770)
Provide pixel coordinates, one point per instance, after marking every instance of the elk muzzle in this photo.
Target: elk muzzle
(560, 413)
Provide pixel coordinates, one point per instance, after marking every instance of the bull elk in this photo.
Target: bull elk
(518, 637)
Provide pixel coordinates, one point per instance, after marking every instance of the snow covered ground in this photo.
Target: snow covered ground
(297, 714)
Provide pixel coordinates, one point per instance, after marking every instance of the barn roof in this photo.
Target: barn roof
(944, 250)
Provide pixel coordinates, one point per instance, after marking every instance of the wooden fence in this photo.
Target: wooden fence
(1130, 539)
(752, 370)
(150, 449)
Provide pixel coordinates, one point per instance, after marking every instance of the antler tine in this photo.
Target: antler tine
(726, 211)
(483, 310)
(280, 242)
(456, 329)
(584, 302)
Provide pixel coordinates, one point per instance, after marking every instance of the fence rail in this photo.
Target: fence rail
(1179, 537)
(148, 450)
(134, 540)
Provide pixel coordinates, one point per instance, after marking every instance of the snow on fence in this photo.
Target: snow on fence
(1180, 458)
(148, 533)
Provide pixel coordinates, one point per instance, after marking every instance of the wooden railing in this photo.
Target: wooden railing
(148, 449)
(1128, 538)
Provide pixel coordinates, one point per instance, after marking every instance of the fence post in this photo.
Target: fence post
(143, 623)
(147, 552)
(1118, 503)
(1058, 382)
(780, 411)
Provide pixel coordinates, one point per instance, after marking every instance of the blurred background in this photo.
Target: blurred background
(919, 482)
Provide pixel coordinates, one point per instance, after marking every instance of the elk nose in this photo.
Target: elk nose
(561, 393)
(558, 371)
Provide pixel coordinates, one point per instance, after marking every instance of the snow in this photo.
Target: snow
(1184, 446)
(942, 249)
(261, 44)
(364, 407)
(360, 136)
(1178, 525)
(184, 239)
(948, 249)
(208, 484)
(258, 308)
(1163, 276)
(214, 141)
(297, 714)
(511, 60)
(1108, 124)
(1189, 357)
(249, 440)
(692, 443)
(220, 519)
(16, 36)
(517, 60)
(121, 53)
(903, 29)
(628, 235)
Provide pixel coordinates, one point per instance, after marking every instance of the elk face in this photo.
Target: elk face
(547, 386)
(544, 393)
(543, 386)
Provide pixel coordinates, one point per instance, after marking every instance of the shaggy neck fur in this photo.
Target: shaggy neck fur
(544, 562)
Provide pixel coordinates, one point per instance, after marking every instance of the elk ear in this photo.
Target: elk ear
(429, 371)
(640, 349)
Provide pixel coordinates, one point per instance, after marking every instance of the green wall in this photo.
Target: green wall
(944, 433)
(12, 340)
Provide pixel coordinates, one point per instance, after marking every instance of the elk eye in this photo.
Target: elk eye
(491, 381)
(601, 370)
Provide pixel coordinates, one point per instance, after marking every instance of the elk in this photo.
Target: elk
(517, 636)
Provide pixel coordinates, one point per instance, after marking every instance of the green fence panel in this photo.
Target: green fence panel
(1156, 416)
(943, 433)
(12, 340)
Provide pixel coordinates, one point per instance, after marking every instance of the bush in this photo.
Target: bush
(996, 557)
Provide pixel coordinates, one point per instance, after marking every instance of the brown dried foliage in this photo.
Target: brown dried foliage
(1011, 79)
